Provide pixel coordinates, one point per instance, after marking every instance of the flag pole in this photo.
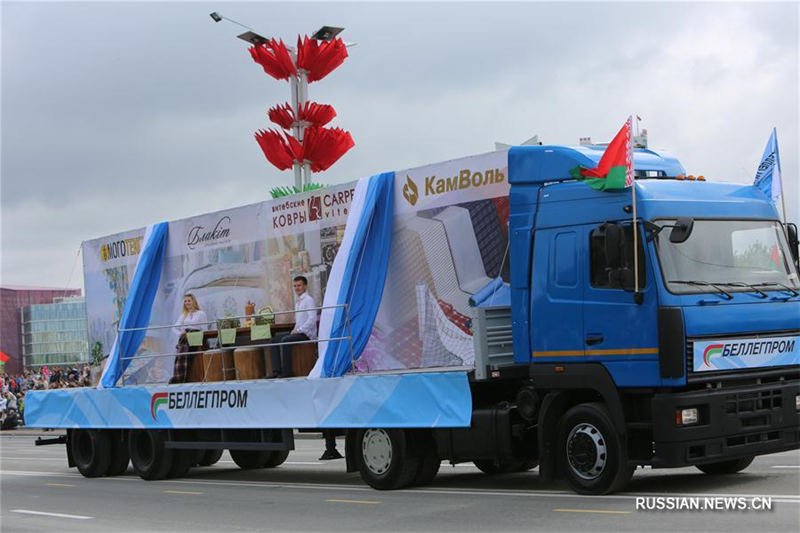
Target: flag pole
(778, 168)
(634, 227)
(783, 203)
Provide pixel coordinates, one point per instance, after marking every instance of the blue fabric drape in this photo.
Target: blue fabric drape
(136, 313)
(364, 276)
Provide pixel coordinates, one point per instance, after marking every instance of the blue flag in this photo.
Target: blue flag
(768, 176)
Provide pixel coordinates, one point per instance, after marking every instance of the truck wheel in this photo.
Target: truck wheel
(726, 467)
(276, 458)
(149, 456)
(210, 457)
(385, 461)
(119, 454)
(91, 451)
(594, 459)
(249, 459)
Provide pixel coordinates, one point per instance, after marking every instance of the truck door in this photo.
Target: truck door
(557, 299)
(618, 331)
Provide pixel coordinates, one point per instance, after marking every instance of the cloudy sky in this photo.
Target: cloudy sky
(116, 115)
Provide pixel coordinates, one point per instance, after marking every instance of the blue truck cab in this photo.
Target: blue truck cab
(697, 365)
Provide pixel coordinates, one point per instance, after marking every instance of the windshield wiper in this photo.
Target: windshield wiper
(761, 293)
(722, 291)
(781, 285)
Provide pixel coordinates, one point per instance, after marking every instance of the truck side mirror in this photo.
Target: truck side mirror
(613, 248)
(794, 246)
(681, 231)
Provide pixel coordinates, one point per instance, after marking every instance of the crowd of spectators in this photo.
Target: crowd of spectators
(14, 387)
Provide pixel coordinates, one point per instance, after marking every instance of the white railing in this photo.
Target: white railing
(217, 344)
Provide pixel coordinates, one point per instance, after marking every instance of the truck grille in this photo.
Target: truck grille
(750, 402)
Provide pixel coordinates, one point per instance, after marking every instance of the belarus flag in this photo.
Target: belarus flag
(615, 169)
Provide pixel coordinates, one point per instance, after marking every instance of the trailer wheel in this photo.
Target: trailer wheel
(594, 459)
(149, 456)
(209, 457)
(726, 467)
(182, 461)
(249, 459)
(428, 468)
(120, 457)
(385, 461)
(91, 451)
(276, 458)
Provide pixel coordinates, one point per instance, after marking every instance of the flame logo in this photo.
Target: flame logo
(410, 191)
(157, 400)
(710, 351)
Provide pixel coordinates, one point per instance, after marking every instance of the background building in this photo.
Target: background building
(12, 300)
(55, 333)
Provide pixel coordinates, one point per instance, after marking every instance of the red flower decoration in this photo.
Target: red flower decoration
(274, 57)
(313, 113)
(282, 115)
(280, 149)
(317, 114)
(319, 59)
(322, 147)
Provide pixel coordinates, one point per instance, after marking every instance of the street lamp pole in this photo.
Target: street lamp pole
(298, 86)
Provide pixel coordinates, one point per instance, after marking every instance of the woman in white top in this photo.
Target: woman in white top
(191, 316)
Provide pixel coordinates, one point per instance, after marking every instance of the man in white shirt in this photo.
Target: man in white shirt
(305, 328)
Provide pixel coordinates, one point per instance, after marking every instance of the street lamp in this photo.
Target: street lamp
(301, 66)
(327, 33)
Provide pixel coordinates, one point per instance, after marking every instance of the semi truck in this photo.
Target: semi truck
(491, 310)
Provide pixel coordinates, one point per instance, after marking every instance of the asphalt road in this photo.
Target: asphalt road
(40, 493)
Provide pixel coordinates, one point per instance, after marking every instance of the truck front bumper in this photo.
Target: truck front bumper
(733, 422)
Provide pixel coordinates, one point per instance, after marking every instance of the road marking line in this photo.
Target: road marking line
(56, 515)
(366, 502)
(785, 466)
(183, 492)
(780, 498)
(601, 511)
(59, 485)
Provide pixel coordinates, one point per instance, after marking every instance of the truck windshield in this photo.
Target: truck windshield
(725, 256)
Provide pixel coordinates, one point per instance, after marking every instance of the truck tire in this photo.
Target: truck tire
(593, 458)
(385, 460)
(209, 457)
(726, 467)
(249, 459)
(120, 457)
(182, 461)
(429, 461)
(428, 468)
(91, 451)
(149, 456)
(276, 458)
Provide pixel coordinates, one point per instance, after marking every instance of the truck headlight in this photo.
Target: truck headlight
(797, 401)
(687, 417)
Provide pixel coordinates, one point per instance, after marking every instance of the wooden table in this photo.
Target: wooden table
(303, 355)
